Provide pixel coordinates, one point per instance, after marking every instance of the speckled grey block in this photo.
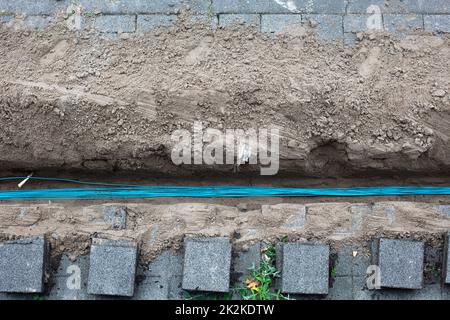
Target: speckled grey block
(437, 23)
(446, 267)
(116, 216)
(207, 263)
(304, 268)
(112, 267)
(401, 263)
(22, 265)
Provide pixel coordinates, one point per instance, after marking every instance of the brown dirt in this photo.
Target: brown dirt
(70, 227)
(83, 101)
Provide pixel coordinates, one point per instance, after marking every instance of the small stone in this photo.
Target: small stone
(439, 93)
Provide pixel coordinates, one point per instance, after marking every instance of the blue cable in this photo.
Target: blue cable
(122, 191)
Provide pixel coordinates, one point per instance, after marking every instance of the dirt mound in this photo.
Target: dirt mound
(85, 101)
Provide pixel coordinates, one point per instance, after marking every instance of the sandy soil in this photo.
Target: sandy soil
(83, 101)
(69, 227)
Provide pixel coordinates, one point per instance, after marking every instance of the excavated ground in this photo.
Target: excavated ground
(87, 102)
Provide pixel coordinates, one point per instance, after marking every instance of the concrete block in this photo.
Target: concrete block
(434, 7)
(437, 23)
(401, 263)
(444, 209)
(344, 261)
(115, 23)
(392, 6)
(144, 7)
(270, 6)
(116, 216)
(207, 263)
(355, 23)
(70, 280)
(22, 265)
(112, 267)
(446, 262)
(148, 22)
(33, 7)
(249, 19)
(247, 6)
(212, 21)
(350, 39)
(402, 23)
(328, 27)
(276, 23)
(37, 22)
(342, 289)
(6, 19)
(305, 268)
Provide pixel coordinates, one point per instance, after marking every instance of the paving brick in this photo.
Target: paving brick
(279, 6)
(437, 23)
(115, 23)
(361, 23)
(148, 22)
(207, 263)
(279, 22)
(116, 216)
(305, 268)
(37, 22)
(350, 39)
(446, 262)
(402, 23)
(342, 289)
(434, 7)
(22, 265)
(329, 27)
(143, 6)
(229, 19)
(392, 6)
(33, 7)
(6, 19)
(65, 282)
(247, 6)
(401, 263)
(344, 261)
(112, 267)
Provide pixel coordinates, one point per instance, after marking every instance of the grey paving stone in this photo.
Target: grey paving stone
(246, 260)
(350, 39)
(65, 282)
(116, 216)
(344, 261)
(37, 22)
(360, 290)
(342, 289)
(401, 263)
(402, 23)
(229, 19)
(112, 267)
(434, 7)
(437, 23)
(355, 23)
(446, 262)
(207, 263)
(279, 6)
(6, 19)
(33, 7)
(444, 209)
(392, 6)
(115, 23)
(247, 6)
(148, 22)
(143, 6)
(329, 27)
(152, 288)
(278, 22)
(305, 268)
(22, 265)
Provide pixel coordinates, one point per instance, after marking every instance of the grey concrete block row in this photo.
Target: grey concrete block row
(390, 22)
(279, 6)
(48, 7)
(399, 6)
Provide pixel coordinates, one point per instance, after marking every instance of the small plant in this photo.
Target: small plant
(39, 297)
(89, 14)
(435, 270)
(211, 13)
(333, 272)
(258, 286)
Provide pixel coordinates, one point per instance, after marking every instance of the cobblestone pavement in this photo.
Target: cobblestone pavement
(331, 20)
